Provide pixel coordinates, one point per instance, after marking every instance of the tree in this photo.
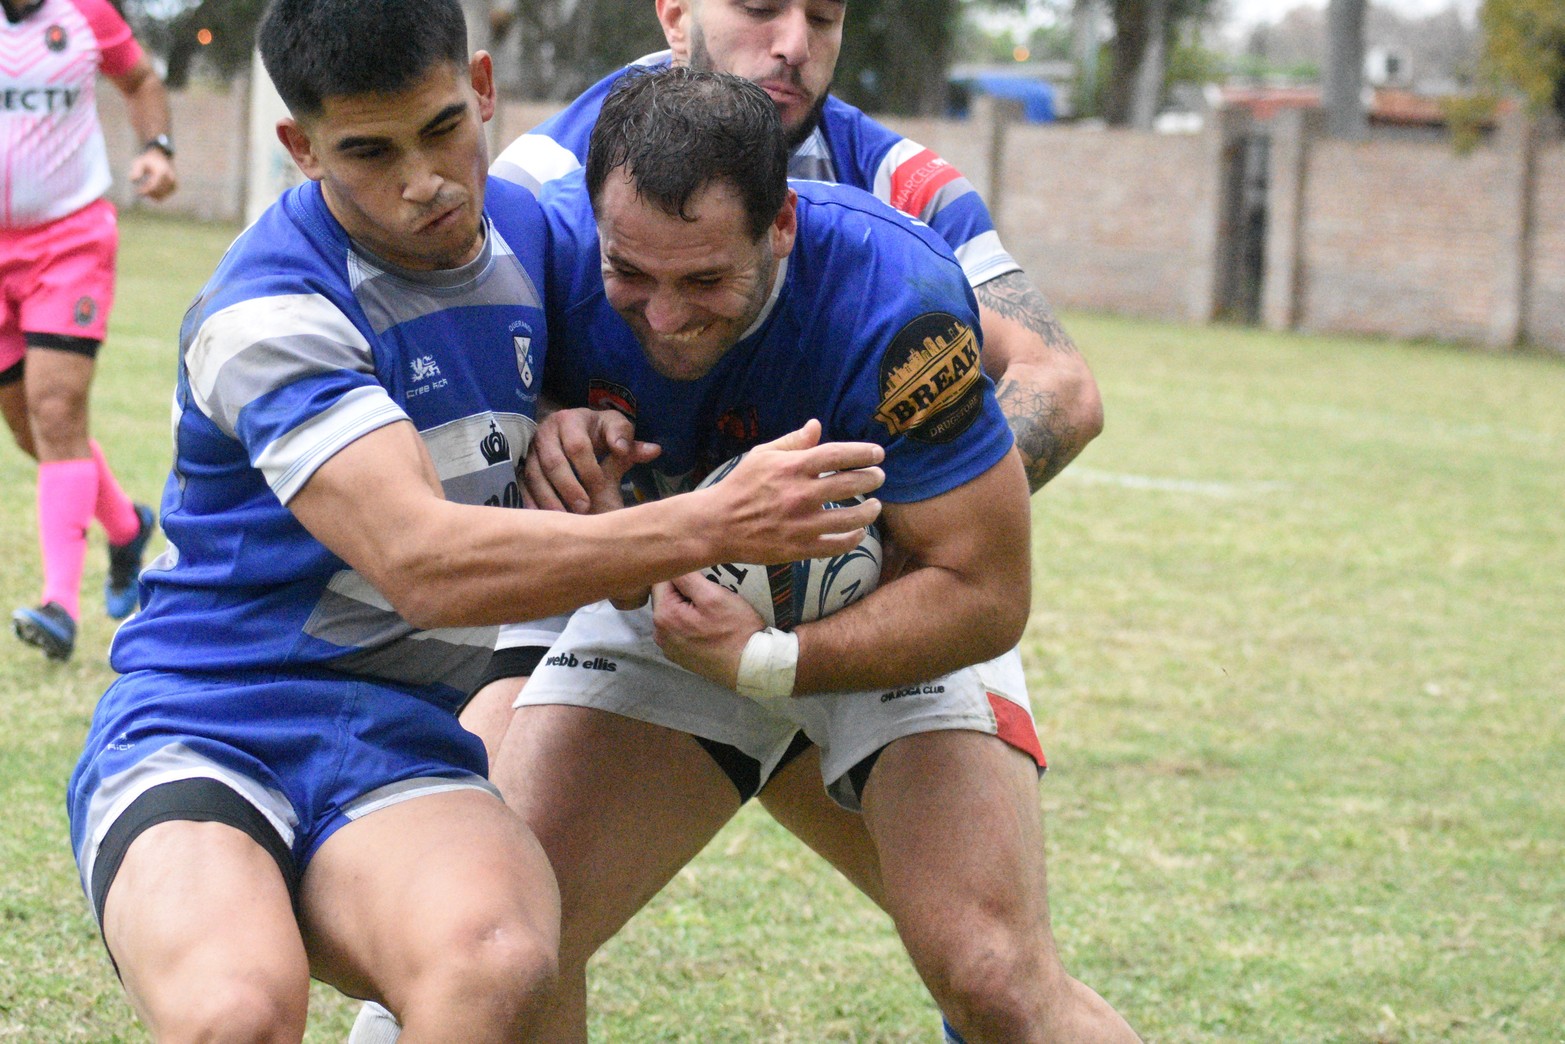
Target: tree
(1145, 32)
(1524, 47)
(220, 32)
(1292, 46)
(565, 46)
(893, 59)
(1342, 91)
(895, 55)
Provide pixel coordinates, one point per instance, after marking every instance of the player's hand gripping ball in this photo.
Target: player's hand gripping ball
(798, 592)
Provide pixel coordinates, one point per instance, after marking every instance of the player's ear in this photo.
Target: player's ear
(675, 17)
(481, 73)
(297, 141)
(785, 226)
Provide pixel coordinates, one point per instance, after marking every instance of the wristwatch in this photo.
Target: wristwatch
(163, 143)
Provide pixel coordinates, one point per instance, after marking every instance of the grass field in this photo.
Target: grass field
(1298, 656)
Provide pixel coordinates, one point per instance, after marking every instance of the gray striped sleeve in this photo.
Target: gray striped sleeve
(251, 348)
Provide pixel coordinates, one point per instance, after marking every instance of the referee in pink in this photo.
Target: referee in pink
(58, 240)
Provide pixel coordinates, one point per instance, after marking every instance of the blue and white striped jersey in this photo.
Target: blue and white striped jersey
(299, 344)
(847, 148)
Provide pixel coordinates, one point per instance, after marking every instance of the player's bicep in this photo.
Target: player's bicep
(979, 532)
(367, 500)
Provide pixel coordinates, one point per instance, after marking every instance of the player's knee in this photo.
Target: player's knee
(57, 417)
(236, 1010)
(513, 970)
(995, 983)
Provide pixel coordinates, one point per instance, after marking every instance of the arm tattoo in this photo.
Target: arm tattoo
(1044, 434)
(1013, 296)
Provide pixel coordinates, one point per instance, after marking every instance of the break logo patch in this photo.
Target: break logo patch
(930, 386)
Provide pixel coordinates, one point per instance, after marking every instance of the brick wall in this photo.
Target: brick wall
(1401, 238)
(1405, 239)
(1107, 219)
(514, 118)
(209, 135)
(1544, 321)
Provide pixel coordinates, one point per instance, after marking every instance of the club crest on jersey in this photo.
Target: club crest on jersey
(55, 39)
(522, 340)
(602, 394)
(524, 364)
(86, 311)
(495, 446)
(425, 367)
(930, 380)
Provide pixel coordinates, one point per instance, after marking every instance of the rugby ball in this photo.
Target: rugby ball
(797, 592)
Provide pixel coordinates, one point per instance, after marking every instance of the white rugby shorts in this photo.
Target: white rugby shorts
(607, 659)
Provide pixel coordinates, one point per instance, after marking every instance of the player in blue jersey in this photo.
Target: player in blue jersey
(277, 786)
(725, 305)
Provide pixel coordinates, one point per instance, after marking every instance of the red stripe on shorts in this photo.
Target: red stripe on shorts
(1016, 728)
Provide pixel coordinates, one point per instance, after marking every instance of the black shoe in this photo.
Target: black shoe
(120, 591)
(49, 627)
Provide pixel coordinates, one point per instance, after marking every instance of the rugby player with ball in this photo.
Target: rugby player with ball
(700, 304)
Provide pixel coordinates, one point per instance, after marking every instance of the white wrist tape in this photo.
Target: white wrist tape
(768, 665)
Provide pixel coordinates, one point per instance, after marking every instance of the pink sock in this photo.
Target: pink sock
(67, 491)
(115, 511)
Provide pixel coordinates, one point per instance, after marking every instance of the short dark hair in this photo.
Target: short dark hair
(319, 49)
(676, 130)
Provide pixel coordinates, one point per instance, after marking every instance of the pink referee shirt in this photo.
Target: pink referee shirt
(52, 157)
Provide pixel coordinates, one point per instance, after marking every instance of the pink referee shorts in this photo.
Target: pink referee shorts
(57, 279)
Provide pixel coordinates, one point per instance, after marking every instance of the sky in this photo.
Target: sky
(1253, 12)
(1243, 15)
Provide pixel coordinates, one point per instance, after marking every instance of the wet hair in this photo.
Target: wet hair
(676, 130)
(319, 49)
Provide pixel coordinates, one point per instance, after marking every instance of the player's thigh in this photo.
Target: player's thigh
(57, 385)
(620, 805)
(488, 714)
(795, 798)
(956, 821)
(201, 927)
(429, 882)
(59, 373)
(13, 406)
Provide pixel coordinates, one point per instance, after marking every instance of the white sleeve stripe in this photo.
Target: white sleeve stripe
(229, 332)
(536, 155)
(290, 460)
(900, 153)
(983, 258)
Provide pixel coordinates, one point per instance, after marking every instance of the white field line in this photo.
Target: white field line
(1169, 485)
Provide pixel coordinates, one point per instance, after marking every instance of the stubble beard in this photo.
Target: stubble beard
(701, 61)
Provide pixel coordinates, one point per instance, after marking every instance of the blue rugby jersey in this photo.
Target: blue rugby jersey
(871, 328)
(847, 147)
(299, 344)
